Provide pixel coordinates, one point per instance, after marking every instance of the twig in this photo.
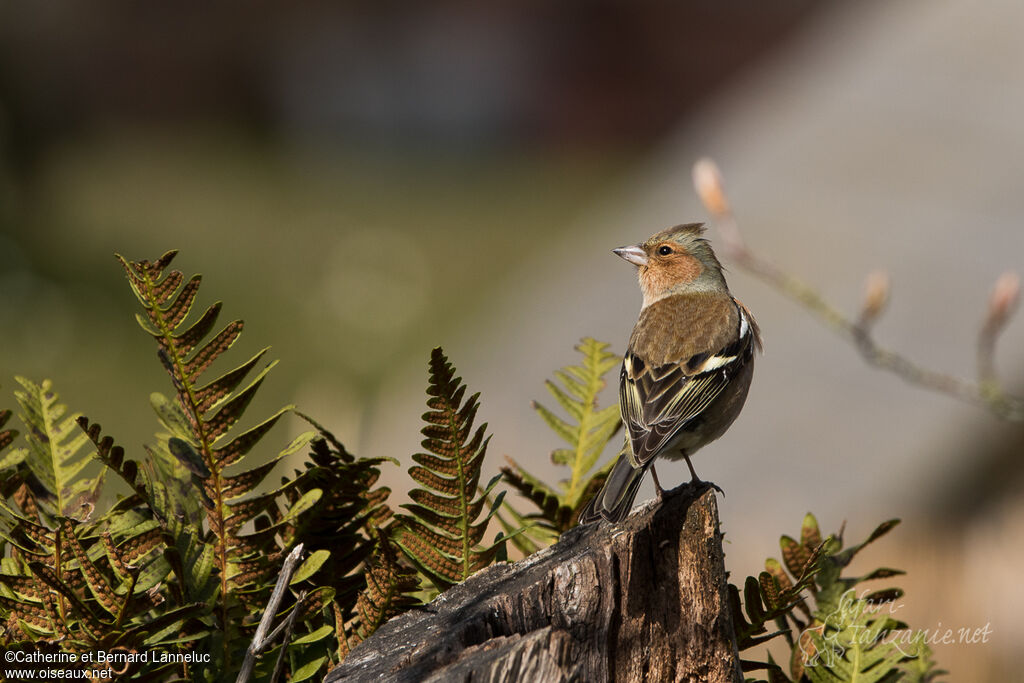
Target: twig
(261, 640)
(986, 392)
(288, 626)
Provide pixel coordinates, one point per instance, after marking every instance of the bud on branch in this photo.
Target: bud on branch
(876, 296)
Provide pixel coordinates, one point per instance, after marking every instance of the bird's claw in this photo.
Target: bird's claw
(710, 484)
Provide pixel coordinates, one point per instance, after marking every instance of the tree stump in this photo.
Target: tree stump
(644, 600)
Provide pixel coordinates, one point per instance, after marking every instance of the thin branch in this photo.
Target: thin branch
(261, 640)
(987, 392)
(288, 626)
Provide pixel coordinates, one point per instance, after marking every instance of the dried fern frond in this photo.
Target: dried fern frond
(390, 589)
(345, 521)
(443, 531)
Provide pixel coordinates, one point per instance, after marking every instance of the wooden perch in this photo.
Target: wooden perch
(644, 600)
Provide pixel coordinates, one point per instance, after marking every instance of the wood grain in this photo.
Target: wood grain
(644, 600)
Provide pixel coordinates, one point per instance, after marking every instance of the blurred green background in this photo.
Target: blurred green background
(360, 183)
(355, 182)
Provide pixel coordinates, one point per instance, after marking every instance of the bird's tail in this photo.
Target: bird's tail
(615, 499)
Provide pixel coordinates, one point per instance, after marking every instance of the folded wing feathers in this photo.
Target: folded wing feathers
(657, 402)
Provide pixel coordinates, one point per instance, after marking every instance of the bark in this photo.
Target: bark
(644, 600)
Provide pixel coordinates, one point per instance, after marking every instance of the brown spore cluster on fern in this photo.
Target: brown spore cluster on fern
(443, 532)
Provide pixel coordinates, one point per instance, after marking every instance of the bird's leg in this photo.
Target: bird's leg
(697, 481)
(693, 473)
(657, 484)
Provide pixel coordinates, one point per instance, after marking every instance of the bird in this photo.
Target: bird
(687, 368)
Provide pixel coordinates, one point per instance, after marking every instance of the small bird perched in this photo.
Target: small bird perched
(688, 366)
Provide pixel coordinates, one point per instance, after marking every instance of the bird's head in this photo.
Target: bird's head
(675, 261)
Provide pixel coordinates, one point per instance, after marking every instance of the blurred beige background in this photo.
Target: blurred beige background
(361, 186)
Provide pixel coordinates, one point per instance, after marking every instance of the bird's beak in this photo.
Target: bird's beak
(634, 255)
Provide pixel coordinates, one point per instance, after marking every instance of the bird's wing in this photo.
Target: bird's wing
(657, 402)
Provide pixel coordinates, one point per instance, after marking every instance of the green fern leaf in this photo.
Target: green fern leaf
(309, 669)
(80, 585)
(528, 535)
(539, 493)
(310, 565)
(587, 432)
(566, 431)
(171, 416)
(843, 558)
(203, 440)
(845, 637)
(159, 630)
(851, 645)
(531, 532)
(442, 533)
(56, 457)
(7, 436)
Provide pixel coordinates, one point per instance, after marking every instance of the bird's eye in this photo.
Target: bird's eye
(665, 250)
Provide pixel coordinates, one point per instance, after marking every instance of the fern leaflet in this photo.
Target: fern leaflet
(55, 458)
(389, 591)
(443, 531)
(587, 432)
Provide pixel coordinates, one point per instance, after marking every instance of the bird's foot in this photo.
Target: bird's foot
(711, 484)
(697, 481)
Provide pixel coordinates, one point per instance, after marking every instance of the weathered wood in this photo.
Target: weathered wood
(644, 600)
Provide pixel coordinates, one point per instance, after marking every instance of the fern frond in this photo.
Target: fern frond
(540, 494)
(587, 431)
(845, 637)
(527, 534)
(74, 586)
(389, 590)
(442, 535)
(831, 584)
(7, 436)
(203, 440)
(56, 457)
(133, 544)
(766, 599)
(341, 529)
(589, 428)
(554, 515)
(852, 645)
(112, 456)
